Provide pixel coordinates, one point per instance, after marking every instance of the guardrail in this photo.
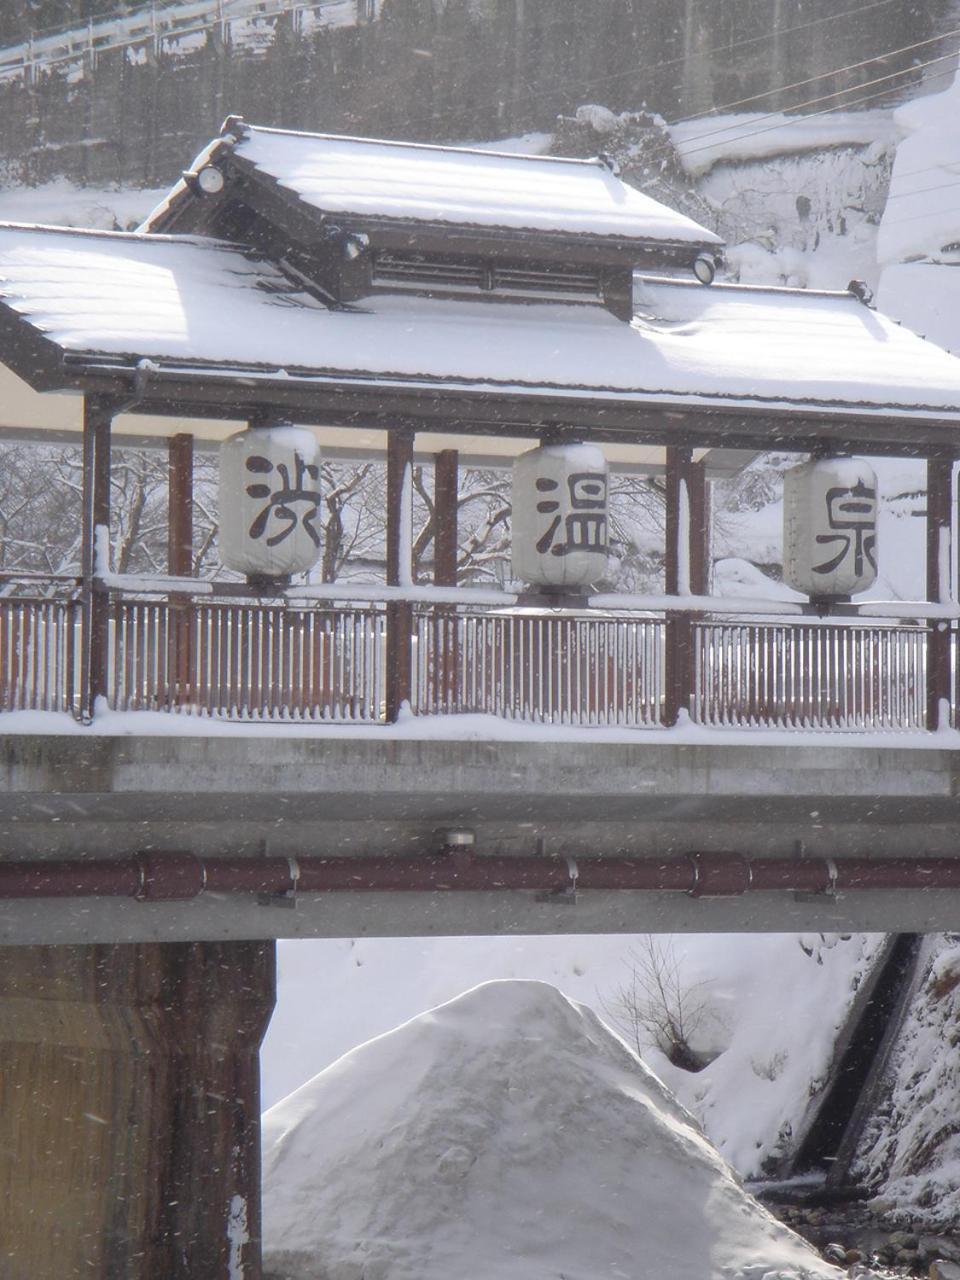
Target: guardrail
(220, 650)
(159, 24)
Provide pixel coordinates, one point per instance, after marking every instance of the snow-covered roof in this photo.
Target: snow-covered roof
(367, 178)
(181, 301)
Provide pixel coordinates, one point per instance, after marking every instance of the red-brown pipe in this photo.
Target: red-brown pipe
(168, 877)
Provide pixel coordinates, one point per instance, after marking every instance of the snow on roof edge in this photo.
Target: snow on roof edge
(426, 146)
(138, 236)
(843, 410)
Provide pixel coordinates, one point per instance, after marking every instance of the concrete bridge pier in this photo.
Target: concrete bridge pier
(129, 1110)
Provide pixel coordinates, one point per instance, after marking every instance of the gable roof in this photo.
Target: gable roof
(411, 183)
(101, 301)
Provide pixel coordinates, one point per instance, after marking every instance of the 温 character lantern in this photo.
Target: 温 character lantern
(269, 500)
(830, 527)
(560, 516)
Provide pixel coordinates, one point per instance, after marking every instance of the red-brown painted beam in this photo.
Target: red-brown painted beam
(445, 499)
(939, 513)
(134, 1145)
(399, 673)
(180, 505)
(181, 877)
(95, 531)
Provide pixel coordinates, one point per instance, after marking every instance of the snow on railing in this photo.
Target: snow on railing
(349, 652)
(158, 24)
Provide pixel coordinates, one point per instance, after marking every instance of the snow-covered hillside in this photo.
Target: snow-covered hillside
(506, 1135)
(911, 1149)
(919, 239)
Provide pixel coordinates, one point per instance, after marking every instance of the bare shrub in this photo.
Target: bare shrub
(655, 1006)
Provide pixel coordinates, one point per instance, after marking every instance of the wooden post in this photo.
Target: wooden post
(180, 562)
(180, 505)
(684, 571)
(698, 498)
(939, 513)
(130, 1109)
(445, 498)
(399, 673)
(95, 534)
(446, 655)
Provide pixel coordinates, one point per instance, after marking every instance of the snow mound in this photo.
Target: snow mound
(509, 1135)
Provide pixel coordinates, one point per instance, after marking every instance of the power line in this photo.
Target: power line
(730, 47)
(824, 75)
(812, 102)
(786, 122)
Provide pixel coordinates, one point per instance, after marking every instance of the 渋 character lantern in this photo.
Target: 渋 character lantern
(269, 501)
(830, 527)
(560, 516)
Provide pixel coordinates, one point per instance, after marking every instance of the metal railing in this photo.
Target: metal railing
(568, 669)
(810, 675)
(223, 652)
(39, 643)
(248, 661)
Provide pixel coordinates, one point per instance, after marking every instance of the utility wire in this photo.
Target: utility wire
(599, 82)
(812, 102)
(824, 75)
(801, 119)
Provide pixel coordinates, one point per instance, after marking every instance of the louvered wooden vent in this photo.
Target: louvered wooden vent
(437, 274)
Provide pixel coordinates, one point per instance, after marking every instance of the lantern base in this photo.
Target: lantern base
(824, 604)
(269, 582)
(554, 597)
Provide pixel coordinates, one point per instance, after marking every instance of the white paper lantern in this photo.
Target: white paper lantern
(269, 499)
(560, 515)
(830, 527)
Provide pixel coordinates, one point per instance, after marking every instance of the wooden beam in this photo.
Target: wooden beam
(678, 650)
(180, 505)
(180, 561)
(134, 1145)
(939, 573)
(676, 561)
(95, 538)
(399, 499)
(445, 498)
(399, 672)
(698, 498)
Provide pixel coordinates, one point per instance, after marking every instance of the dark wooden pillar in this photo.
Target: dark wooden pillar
(95, 549)
(939, 568)
(180, 505)
(445, 668)
(130, 1109)
(180, 563)
(446, 490)
(399, 673)
(686, 571)
(698, 498)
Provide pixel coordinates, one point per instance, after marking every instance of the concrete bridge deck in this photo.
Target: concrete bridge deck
(86, 795)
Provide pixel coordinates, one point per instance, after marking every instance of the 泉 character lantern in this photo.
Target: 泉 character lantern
(830, 527)
(560, 516)
(269, 500)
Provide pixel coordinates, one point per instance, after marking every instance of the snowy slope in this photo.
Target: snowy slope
(768, 1005)
(506, 1135)
(920, 232)
(911, 1147)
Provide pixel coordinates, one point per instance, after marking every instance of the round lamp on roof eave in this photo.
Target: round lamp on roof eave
(210, 180)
